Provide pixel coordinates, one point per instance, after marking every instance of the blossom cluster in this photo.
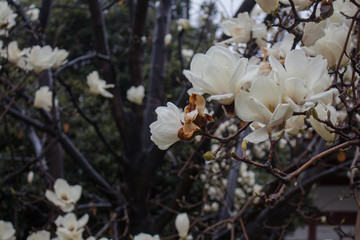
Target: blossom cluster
(283, 89)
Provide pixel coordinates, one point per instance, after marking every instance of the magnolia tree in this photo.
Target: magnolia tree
(138, 138)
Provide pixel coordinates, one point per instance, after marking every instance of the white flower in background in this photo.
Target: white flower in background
(238, 28)
(322, 129)
(187, 54)
(183, 23)
(263, 105)
(242, 28)
(165, 129)
(220, 73)
(304, 79)
(30, 177)
(136, 94)
(16, 56)
(299, 4)
(268, 6)
(167, 39)
(43, 98)
(98, 86)
(60, 56)
(41, 58)
(145, 236)
(7, 231)
(64, 195)
(280, 49)
(33, 12)
(39, 235)
(69, 227)
(7, 16)
(92, 238)
(330, 45)
(182, 224)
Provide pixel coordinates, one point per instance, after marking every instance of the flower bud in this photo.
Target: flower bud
(182, 224)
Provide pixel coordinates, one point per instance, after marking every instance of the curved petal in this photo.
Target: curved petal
(257, 136)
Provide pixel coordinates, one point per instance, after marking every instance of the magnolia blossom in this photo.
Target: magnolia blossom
(182, 224)
(299, 4)
(30, 177)
(303, 79)
(242, 28)
(40, 235)
(323, 112)
(145, 236)
(98, 86)
(7, 231)
(43, 98)
(220, 73)
(167, 39)
(183, 23)
(268, 6)
(329, 42)
(17, 56)
(60, 56)
(69, 227)
(41, 58)
(33, 12)
(187, 54)
(136, 94)
(165, 130)
(281, 48)
(64, 195)
(263, 104)
(7, 16)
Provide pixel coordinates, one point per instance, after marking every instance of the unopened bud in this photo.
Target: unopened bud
(30, 177)
(208, 156)
(315, 114)
(243, 145)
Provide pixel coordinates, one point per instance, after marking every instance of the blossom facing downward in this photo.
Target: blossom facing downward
(39, 235)
(182, 224)
(69, 227)
(7, 231)
(64, 195)
(268, 6)
(145, 236)
(323, 112)
(136, 94)
(98, 86)
(43, 98)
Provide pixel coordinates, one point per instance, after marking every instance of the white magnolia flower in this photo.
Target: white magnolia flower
(7, 16)
(183, 23)
(16, 56)
(294, 124)
(302, 78)
(69, 227)
(280, 49)
(167, 39)
(98, 86)
(187, 54)
(33, 12)
(263, 104)
(182, 224)
(242, 28)
(40, 235)
(60, 56)
(64, 195)
(145, 236)
(165, 129)
(136, 94)
(322, 129)
(268, 6)
(41, 58)
(330, 44)
(43, 98)
(220, 73)
(299, 4)
(7, 231)
(30, 177)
